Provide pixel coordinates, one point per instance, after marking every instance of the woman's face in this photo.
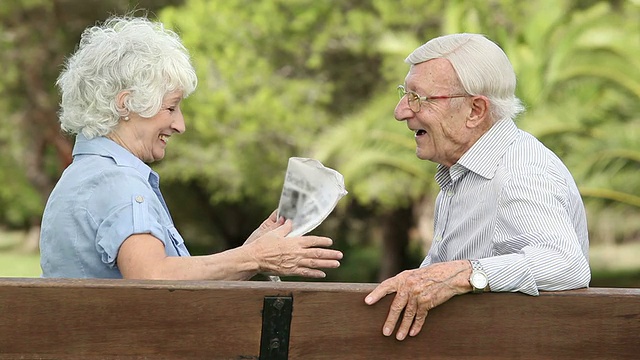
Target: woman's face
(147, 138)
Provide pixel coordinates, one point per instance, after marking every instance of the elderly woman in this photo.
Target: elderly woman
(106, 217)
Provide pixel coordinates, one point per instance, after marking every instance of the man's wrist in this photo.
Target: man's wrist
(478, 280)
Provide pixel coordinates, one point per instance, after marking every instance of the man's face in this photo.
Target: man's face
(441, 133)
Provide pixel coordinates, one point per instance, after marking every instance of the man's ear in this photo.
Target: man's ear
(479, 112)
(121, 100)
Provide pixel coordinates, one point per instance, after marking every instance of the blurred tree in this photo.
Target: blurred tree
(281, 78)
(35, 37)
(273, 75)
(578, 73)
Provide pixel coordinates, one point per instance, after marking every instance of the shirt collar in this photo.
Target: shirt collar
(103, 146)
(484, 156)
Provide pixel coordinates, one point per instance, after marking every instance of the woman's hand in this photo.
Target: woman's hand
(269, 224)
(300, 255)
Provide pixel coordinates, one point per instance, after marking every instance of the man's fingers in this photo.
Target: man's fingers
(398, 304)
(385, 288)
(418, 322)
(407, 319)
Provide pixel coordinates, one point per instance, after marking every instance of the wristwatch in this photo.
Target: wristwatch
(478, 279)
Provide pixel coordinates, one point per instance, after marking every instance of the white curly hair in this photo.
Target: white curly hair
(132, 54)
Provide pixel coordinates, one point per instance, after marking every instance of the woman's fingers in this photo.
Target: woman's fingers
(311, 273)
(298, 255)
(321, 253)
(306, 262)
(319, 264)
(268, 225)
(311, 241)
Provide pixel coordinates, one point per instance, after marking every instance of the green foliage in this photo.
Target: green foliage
(19, 202)
(582, 88)
(14, 264)
(579, 76)
(376, 155)
(332, 69)
(270, 80)
(35, 37)
(281, 78)
(259, 100)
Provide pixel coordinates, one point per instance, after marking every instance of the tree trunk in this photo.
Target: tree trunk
(395, 228)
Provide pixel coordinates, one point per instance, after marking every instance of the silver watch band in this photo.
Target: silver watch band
(475, 265)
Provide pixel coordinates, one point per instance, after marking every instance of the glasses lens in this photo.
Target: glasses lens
(414, 101)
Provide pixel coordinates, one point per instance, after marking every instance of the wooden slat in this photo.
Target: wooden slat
(582, 324)
(121, 319)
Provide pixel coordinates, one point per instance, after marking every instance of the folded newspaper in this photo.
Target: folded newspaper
(310, 193)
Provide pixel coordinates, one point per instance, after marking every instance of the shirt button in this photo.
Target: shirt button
(437, 238)
(450, 193)
(139, 199)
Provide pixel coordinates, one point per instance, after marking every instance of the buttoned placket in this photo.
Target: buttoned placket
(447, 196)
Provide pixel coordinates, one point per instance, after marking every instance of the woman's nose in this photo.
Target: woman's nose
(179, 125)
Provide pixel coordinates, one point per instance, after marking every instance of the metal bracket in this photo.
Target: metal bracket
(276, 325)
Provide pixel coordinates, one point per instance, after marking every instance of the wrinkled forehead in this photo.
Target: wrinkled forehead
(432, 74)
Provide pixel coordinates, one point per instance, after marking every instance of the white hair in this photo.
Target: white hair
(131, 54)
(481, 66)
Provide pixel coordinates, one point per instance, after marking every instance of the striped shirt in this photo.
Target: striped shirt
(512, 204)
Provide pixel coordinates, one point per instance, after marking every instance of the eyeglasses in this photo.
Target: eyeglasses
(415, 101)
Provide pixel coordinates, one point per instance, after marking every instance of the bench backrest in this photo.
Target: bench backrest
(122, 319)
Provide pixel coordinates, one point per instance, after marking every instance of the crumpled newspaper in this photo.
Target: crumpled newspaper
(310, 193)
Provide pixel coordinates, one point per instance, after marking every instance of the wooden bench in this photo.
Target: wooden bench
(121, 319)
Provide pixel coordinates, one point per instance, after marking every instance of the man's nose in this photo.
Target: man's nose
(402, 111)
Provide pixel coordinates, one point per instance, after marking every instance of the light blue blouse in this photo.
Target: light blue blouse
(105, 195)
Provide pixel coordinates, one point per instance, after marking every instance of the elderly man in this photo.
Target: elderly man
(509, 216)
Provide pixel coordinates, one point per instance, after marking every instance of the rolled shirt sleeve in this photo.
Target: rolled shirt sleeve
(536, 243)
(138, 216)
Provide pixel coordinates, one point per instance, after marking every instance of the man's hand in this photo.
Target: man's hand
(418, 291)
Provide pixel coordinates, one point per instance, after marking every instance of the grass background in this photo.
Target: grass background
(611, 265)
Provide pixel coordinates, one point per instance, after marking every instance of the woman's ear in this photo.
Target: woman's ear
(121, 100)
(479, 112)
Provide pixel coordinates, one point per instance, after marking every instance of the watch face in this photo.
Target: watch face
(479, 280)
